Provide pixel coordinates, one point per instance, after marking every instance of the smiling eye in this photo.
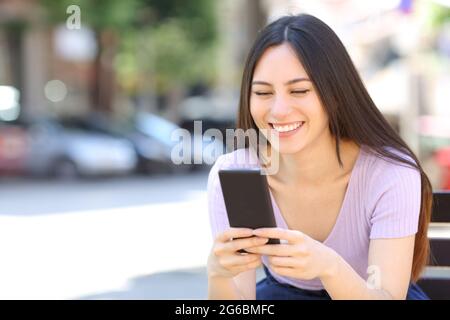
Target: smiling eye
(300, 91)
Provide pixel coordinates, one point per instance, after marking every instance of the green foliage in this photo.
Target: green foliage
(98, 14)
(438, 15)
(174, 45)
(197, 16)
(168, 55)
(163, 43)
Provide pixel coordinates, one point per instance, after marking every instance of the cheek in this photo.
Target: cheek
(320, 124)
(320, 119)
(257, 112)
(252, 111)
(316, 114)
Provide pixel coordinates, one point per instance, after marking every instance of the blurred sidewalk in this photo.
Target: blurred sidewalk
(177, 284)
(130, 238)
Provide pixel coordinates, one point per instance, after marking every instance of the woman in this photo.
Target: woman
(351, 201)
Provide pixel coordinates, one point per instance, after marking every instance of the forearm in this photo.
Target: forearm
(220, 288)
(342, 282)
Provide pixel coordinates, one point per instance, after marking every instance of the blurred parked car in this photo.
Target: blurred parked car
(215, 112)
(67, 152)
(13, 147)
(151, 137)
(162, 131)
(151, 156)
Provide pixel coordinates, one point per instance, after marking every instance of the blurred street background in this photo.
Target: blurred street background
(91, 205)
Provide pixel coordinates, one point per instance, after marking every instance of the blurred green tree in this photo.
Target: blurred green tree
(438, 14)
(156, 45)
(173, 50)
(108, 19)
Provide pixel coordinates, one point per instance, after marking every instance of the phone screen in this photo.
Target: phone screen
(247, 199)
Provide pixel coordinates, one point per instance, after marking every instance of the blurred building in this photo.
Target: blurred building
(32, 53)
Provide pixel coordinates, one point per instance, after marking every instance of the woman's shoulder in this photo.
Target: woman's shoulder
(380, 170)
(392, 194)
(375, 160)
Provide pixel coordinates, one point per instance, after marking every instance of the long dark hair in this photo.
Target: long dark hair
(352, 113)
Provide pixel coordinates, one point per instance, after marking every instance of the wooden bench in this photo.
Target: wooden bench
(436, 278)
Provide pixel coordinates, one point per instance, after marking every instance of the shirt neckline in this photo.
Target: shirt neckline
(279, 216)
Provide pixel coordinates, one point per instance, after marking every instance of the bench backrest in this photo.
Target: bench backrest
(436, 281)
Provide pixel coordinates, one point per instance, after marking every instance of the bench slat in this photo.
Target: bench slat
(441, 207)
(435, 288)
(440, 252)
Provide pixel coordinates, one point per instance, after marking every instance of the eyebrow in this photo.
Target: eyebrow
(287, 83)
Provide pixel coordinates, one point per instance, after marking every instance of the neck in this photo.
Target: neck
(317, 164)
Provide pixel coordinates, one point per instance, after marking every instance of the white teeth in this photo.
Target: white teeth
(288, 127)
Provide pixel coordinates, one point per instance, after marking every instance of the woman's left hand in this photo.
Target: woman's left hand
(299, 256)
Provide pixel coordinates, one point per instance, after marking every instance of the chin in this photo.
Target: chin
(290, 148)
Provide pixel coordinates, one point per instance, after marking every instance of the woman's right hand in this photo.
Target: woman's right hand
(225, 261)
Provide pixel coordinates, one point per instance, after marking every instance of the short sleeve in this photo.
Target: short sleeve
(395, 202)
(218, 218)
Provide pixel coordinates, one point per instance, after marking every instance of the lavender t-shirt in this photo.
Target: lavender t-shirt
(382, 201)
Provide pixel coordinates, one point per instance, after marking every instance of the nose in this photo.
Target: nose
(280, 108)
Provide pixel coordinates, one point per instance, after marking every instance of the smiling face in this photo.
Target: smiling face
(284, 101)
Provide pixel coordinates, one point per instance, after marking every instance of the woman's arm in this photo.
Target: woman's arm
(390, 261)
(305, 258)
(241, 287)
(394, 207)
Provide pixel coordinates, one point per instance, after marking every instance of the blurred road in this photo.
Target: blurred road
(116, 238)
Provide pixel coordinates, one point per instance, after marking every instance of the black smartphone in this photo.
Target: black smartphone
(247, 199)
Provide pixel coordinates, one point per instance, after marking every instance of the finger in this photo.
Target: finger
(254, 264)
(281, 250)
(239, 260)
(238, 244)
(234, 233)
(231, 247)
(292, 236)
(246, 267)
(288, 262)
